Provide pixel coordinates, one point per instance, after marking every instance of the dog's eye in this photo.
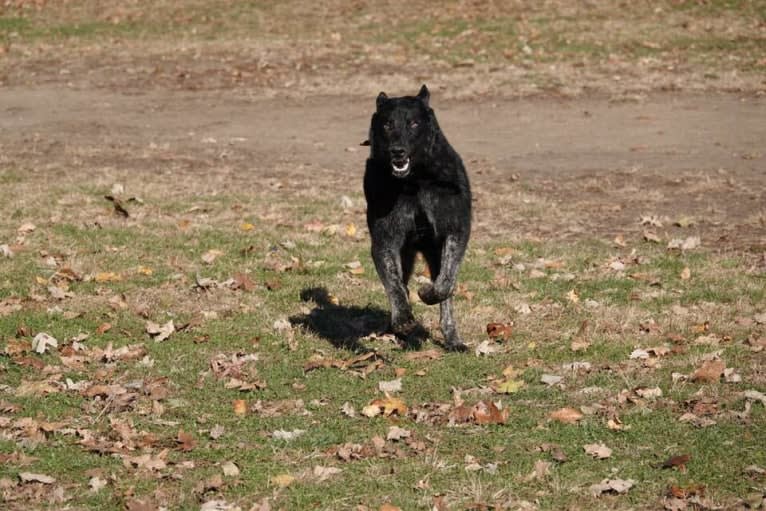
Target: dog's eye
(414, 124)
(388, 126)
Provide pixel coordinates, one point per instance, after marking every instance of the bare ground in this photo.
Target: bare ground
(543, 167)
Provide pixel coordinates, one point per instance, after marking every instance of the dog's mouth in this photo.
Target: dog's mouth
(400, 167)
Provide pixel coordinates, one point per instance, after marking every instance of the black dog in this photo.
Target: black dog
(418, 200)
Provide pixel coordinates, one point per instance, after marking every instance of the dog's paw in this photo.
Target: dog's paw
(411, 333)
(456, 346)
(429, 295)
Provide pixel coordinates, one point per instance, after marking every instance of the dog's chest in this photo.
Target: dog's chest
(423, 215)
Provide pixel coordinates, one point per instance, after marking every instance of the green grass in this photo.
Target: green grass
(198, 401)
(87, 238)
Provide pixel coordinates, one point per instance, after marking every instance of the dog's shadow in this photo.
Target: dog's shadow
(343, 326)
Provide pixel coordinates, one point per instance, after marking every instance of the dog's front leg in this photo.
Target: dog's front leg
(444, 285)
(389, 267)
(448, 326)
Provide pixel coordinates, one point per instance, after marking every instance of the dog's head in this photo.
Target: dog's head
(402, 131)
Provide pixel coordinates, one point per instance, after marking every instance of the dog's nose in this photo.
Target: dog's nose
(398, 152)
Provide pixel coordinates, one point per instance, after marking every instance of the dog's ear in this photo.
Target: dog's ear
(382, 98)
(424, 95)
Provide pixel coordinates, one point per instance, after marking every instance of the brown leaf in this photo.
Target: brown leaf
(118, 207)
(240, 407)
(710, 372)
(387, 406)
(107, 276)
(143, 504)
(685, 492)
(103, 328)
(486, 412)
(185, 441)
(461, 414)
(679, 461)
(566, 415)
(17, 346)
(499, 331)
(244, 282)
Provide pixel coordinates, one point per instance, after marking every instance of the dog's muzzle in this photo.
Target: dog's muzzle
(400, 162)
(400, 167)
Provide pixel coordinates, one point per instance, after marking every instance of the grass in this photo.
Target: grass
(554, 292)
(242, 322)
(590, 38)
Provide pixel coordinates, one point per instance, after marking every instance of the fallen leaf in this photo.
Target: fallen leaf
(485, 348)
(240, 407)
(649, 393)
(689, 243)
(107, 276)
(387, 406)
(282, 480)
(185, 441)
(509, 386)
(118, 207)
(599, 451)
(96, 483)
(28, 477)
(390, 386)
(685, 274)
(103, 328)
(566, 415)
(217, 432)
(42, 341)
(486, 412)
(615, 424)
(679, 461)
(685, 492)
(146, 461)
(754, 395)
(730, 375)
(210, 256)
(160, 333)
(348, 409)
(551, 379)
(541, 470)
(26, 228)
(500, 331)
(710, 371)
(651, 236)
(230, 469)
(354, 268)
(432, 354)
(396, 433)
(324, 473)
(611, 486)
(287, 436)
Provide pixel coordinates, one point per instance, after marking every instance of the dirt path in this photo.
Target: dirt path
(540, 167)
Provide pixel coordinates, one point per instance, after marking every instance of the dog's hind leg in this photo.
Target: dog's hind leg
(445, 277)
(448, 326)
